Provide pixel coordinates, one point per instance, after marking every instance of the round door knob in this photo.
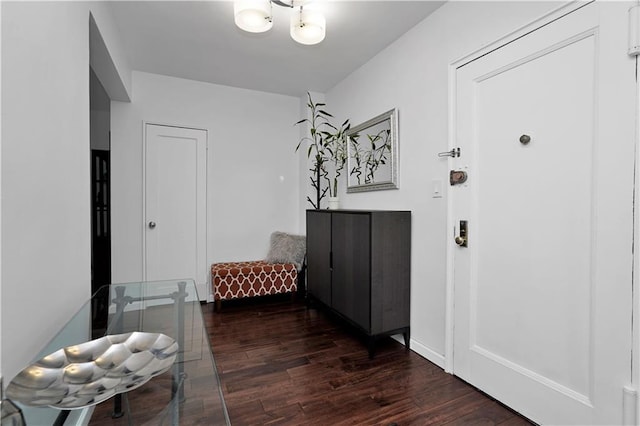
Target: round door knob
(152, 225)
(525, 139)
(461, 241)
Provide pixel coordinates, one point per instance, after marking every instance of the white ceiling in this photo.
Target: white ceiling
(198, 40)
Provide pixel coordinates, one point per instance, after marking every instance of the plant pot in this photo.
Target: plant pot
(334, 203)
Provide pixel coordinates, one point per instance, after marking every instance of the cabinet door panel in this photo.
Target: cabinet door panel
(318, 255)
(390, 271)
(351, 267)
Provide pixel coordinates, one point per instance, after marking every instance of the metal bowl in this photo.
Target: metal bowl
(86, 374)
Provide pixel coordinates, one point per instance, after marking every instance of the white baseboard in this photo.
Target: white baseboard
(423, 351)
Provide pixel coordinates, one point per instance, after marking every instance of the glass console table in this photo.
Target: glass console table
(187, 393)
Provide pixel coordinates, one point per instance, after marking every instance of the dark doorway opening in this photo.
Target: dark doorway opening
(100, 119)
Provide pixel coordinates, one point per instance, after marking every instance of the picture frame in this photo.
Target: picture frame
(372, 154)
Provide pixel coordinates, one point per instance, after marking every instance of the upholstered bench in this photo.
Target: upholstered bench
(233, 280)
(278, 273)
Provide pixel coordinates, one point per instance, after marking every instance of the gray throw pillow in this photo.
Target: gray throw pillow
(287, 248)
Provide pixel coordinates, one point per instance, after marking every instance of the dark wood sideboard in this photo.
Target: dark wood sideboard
(359, 267)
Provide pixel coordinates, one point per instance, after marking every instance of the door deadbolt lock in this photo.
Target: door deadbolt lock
(461, 239)
(457, 177)
(152, 225)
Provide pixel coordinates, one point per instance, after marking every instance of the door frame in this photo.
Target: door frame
(144, 196)
(631, 394)
(522, 31)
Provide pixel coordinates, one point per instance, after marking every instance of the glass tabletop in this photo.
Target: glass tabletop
(160, 323)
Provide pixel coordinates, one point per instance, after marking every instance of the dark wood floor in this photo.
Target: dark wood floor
(282, 363)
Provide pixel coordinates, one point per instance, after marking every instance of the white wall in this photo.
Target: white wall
(45, 150)
(100, 113)
(45, 172)
(253, 176)
(107, 59)
(412, 75)
(1, 382)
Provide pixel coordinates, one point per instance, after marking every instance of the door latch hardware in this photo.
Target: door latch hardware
(455, 152)
(456, 177)
(461, 239)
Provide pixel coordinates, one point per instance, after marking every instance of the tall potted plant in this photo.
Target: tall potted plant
(327, 148)
(336, 147)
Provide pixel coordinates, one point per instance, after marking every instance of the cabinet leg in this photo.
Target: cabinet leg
(309, 301)
(371, 347)
(407, 339)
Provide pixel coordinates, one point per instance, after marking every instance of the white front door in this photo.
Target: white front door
(175, 205)
(542, 291)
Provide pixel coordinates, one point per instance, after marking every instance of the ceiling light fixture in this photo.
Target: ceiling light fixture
(307, 26)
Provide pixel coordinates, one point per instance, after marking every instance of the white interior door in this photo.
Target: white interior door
(542, 291)
(175, 205)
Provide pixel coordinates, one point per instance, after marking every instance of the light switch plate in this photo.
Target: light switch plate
(437, 188)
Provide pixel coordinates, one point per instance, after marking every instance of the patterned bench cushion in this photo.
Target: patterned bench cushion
(232, 280)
